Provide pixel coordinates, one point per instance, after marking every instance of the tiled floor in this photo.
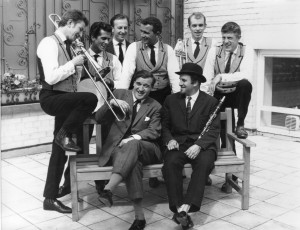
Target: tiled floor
(274, 197)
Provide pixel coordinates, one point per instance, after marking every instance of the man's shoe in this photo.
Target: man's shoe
(208, 181)
(138, 225)
(100, 184)
(241, 132)
(106, 198)
(63, 140)
(153, 182)
(55, 205)
(183, 219)
(63, 190)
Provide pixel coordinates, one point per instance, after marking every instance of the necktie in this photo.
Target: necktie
(188, 108)
(96, 57)
(197, 50)
(134, 109)
(152, 55)
(68, 47)
(121, 55)
(227, 68)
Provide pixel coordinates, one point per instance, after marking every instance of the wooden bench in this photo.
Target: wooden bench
(85, 167)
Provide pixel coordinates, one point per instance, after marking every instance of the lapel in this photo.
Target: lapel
(182, 104)
(203, 50)
(143, 109)
(127, 44)
(161, 57)
(196, 105)
(235, 63)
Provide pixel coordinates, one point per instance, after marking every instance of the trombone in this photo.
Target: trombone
(55, 18)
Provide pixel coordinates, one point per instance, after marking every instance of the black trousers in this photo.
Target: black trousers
(174, 162)
(240, 100)
(70, 111)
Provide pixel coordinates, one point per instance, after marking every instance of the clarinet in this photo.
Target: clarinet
(212, 117)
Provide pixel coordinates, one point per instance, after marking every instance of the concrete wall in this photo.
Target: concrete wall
(265, 24)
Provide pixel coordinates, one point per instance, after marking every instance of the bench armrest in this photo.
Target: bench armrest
(244, 142)
(69, 153)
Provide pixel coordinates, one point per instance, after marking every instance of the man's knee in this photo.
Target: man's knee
(244, 86)
(91, 99)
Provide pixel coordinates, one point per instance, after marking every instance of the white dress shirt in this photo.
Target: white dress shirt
(116, 47)
(136, 136)
(246, 67)
(47, 51)
(129, 66)
(116, 66)
(193, 99)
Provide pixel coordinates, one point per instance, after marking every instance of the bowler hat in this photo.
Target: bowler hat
(192, 69)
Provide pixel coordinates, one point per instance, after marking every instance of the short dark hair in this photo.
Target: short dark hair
(74, 15)
(155, 22)
(197, 15)
(231, 27)
(96, 28)
(143, 74)
(118, 17)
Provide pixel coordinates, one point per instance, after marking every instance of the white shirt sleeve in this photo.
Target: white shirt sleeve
(129, 66)
(208, 71)
(173, 67)
(117, 69)
(47, 51)
(246, 68)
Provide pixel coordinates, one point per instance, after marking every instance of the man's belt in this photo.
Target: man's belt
(226, 87)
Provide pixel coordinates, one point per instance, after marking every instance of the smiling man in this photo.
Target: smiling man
(229, 72)
(100, 36)
(153, 55)
(197, 46)
(184, 116)
(131, 143)
(119, 44)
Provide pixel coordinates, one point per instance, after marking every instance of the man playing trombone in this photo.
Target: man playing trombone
(58, 98)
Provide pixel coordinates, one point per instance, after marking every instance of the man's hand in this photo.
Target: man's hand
(78, 60)
(214, 82)
(180, 53)
(123, 104)
(124, 141)
(173, 144)
(193, 151)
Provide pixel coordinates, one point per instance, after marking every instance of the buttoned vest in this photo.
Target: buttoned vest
(67, 85)
(204, 48)
(159, 71)
(235, 64)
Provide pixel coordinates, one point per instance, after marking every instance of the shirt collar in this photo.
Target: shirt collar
(116, 43)
(92, 53)
(234, 52)
(134, 98)
(194, 96)
(193, 40)
(61, 35)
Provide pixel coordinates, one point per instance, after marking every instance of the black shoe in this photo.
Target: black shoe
(138, 225)
(55, 205)
(183, 219)
(106, 198)
(100, 184)
(208, 181)
(153, 182)
(63, 140)
(241, 132)
(63, 190)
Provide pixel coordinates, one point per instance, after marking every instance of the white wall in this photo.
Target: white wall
(265, 24)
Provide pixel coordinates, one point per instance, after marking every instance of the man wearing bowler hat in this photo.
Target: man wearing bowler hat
(184, 116)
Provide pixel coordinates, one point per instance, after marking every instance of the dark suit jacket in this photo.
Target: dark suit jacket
(174, 125)
(147, 124)
(110, 47)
